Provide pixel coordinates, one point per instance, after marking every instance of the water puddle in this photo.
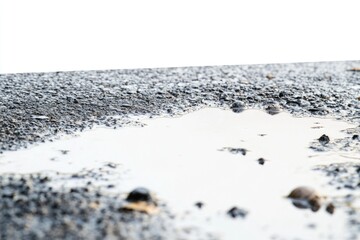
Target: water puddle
(250, 160)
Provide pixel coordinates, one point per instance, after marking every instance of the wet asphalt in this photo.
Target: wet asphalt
(38, 107)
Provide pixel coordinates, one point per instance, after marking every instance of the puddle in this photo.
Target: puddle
(199, 157)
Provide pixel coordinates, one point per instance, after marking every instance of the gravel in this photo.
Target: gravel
(38, 107)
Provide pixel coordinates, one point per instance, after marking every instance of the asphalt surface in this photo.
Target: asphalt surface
(37, 107)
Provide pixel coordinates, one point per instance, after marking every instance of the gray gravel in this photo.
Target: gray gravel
(36, 107)
(30, 208)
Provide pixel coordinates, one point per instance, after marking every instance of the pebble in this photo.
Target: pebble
(237, 107)
(236, 212)
(139, 194)
(324, 139)
(199, 205)
(140, 200)
(273, 109)
(306, 197)
(330, 208)
(261, 161)
(269, 76)
(242, 151)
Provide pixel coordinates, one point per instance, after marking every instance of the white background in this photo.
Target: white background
(50, 35)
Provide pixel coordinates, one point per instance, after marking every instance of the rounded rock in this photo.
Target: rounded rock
(273, 109)
(261, 161)
(235, 212)
(237, 107)
(330, 208)
(139, 194)
(305, 197)
(324, 139)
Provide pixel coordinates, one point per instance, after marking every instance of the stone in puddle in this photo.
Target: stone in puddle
(306, 197)
(236, 150)
(199, 204)
(261, 161)
(64, 151)
(273, 109)
(235, 212)
(237, 107)
(330, 208)
(324, 139)
(140, 200)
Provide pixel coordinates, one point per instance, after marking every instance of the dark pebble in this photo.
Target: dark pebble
(237, 107)
(237, 150)
(235, 212)
(44, 180)
(139, 194)
(199, 204)
(74, 190)
(330, 208)
(64, 151)
(261, 161)
(272, 109)
(324, 139)
(111, 165)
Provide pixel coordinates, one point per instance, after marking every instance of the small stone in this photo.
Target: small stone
(199, 204)
(74, 190)
(44, 179)
(355, 137)
(237, 107)
(270, 76)
(282, 94)
(235, 212)
(236, 150)
(139, 194)
(111, 165)
(330, 208)
(261, 161)
(324, 139)
(64, 151)
(305, 197)
(140, 200)
(273, 109)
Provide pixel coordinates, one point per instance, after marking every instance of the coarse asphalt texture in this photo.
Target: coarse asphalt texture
(37, 107)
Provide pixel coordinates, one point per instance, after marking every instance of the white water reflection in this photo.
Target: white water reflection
(180, 160)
